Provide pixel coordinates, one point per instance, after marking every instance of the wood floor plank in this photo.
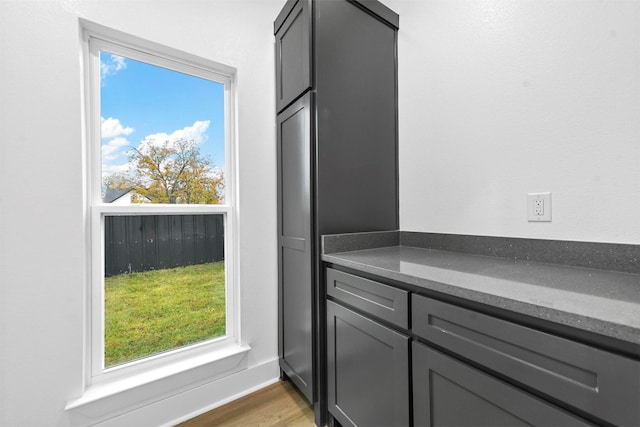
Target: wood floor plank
(277, 405)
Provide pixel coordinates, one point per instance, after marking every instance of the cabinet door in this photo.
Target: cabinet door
(355, 79)
(447, 392)
(368, 370)
(295, 244)
(293, 52)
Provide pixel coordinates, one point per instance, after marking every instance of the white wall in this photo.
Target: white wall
(497, 98)
(500, 98)
(42, 246)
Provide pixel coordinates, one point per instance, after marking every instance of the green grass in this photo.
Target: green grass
(156, 311)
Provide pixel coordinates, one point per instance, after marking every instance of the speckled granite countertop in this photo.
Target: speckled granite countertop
(601, 301)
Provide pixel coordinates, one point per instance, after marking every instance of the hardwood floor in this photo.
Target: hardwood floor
(279, 404)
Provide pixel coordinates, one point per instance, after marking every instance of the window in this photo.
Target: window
(161, 206)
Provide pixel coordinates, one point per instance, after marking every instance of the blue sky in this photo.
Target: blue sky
(141, 102)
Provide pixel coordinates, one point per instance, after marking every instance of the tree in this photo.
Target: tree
(171, 172)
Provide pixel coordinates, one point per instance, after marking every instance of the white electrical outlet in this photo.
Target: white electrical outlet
(539, 207)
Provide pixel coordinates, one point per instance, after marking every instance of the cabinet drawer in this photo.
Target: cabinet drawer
(595, 381)
(447, 392)
(382, 301)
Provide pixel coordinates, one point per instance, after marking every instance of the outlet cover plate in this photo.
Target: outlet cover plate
(539, 207)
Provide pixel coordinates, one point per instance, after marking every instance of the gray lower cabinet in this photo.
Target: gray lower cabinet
(447, 392)
(368, 370)
(462, 367)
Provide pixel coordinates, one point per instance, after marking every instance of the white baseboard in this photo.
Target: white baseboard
(193, 402)
(268, 370)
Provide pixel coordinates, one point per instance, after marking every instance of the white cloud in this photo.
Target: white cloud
(115, 169)
(113, 149)
(110, 128)
(112, 65)
(194, 132)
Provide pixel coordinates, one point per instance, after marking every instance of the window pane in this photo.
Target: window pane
(162, 134)
(164, 283)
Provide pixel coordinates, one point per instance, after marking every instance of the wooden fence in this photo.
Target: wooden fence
(151, 242)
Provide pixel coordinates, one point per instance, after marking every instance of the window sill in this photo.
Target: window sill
(113, 397)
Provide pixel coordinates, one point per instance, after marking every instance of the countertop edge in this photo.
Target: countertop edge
(617, 331)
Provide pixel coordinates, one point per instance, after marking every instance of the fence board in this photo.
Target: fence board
(116, 246)
(134, 242)
(199, 240)
(150, 242)
(188, 244)
(162, 242)
(175, 234)
(150, 232)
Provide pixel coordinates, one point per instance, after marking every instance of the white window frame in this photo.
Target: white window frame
(154, 54)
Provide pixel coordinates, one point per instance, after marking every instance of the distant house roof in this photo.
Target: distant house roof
(113, 194)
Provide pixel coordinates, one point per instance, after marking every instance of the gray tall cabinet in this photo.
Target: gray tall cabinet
(336, 90)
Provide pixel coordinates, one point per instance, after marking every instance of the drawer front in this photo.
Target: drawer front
(382, 301)
(595, 381)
